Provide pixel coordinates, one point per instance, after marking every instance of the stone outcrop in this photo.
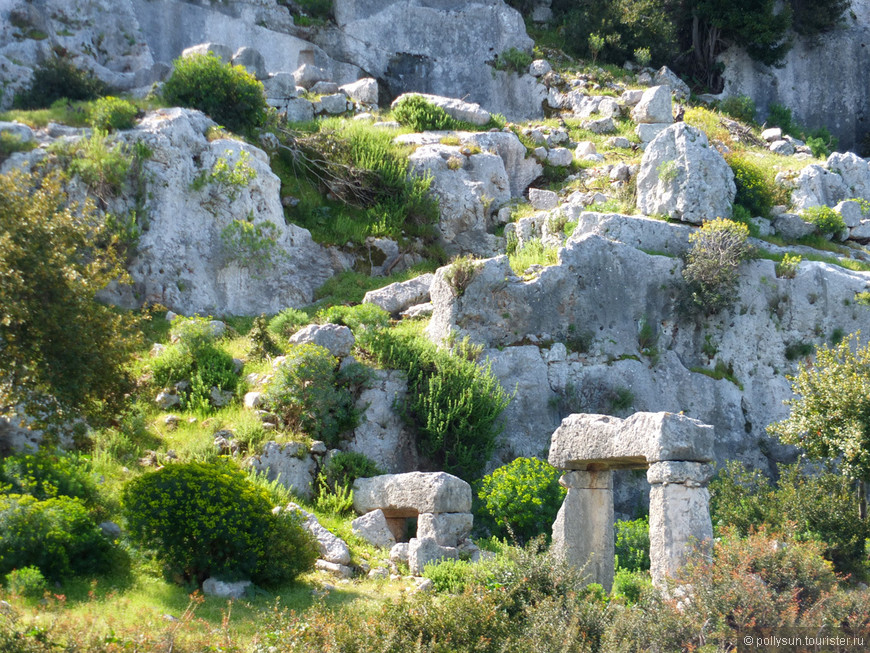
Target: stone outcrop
(336, 338)
(331, 547)
(674, 448)
(401, 295)
(437, 48)
(682, 177)
(408, 495)
(288, 464)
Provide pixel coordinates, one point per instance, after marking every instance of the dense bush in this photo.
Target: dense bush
(739, 107)
(513, 60)
(818, 507)
(310, 394)
(712, 262)
(58, 78)
(45, 476)
(56, 535)
(288, 322)
(632, 544)
(420, 114)
(345, 467)
(356, 317)
(110, 113)
(27, 582)
(454, 402)
(825, 219)
(228, 94)
(56, 340)
(755, 190)
(210, 520)
(522, 498)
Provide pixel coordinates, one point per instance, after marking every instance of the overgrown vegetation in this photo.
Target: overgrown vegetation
(712, 263)
(58, 79)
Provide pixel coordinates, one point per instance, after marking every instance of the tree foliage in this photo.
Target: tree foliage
(56, 340)
(712, 263)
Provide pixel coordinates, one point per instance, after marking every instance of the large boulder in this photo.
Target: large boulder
(398, 296)
(817, 186)
(682, 177)
(331, 547)
(289, 465)
(373, 528)
(438, 48)
(854, 171)
(337, 338)
(654, 106)
(183, 260)
(407, 495)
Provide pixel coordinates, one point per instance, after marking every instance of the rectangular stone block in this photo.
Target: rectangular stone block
(679, 523)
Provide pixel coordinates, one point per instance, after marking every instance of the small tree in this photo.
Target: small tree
(717, 250)
(830, 414)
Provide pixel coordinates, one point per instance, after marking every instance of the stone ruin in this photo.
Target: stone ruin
(674, 449)
(439, 503)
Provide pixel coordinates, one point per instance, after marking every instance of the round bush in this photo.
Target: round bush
(228, 94)
(110, 113)
(523, 497)
(288, 322)
(755, 191)
(58, 536)
(58, 78)
(361, 315)
(27, 582)
(826, 220)
(711, 273)
(45, 476)
(419, 114)
(210, 520)
(346, 466)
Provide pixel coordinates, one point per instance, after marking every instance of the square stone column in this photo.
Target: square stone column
(583, 530)
(679, 515)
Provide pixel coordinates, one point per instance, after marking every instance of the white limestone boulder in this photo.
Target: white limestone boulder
(407, 495)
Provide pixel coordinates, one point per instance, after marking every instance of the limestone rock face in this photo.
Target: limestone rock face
(683, 177)
(437, 48)
(407, 495)
(817, 186)
(183, 260)
(373, 528)
(382, 434)
(586, 441)
(287, 465)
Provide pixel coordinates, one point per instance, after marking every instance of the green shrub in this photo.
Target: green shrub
(631, 584)
(522, 498)
(461, 272)
(288, 322)
(110, 113)
(357, 317)
(55, 79)
(262, 343)
(345, 467)
(311, 395)
(420, 114)
(454, 402)
(228, 94)
(56, 535)
(513, 60)
(210, 520)
(11, 143)
(826, 220)
(450, 576)
(632, 544)
(780, 116)
(101, 164)
(755, 188)
(45, 476)
(712, 262)
(788, 266)
(252, 245)
(642, 57)
(27, 582)
(739, 107)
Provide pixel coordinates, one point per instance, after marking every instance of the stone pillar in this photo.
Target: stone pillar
(583, 530)
(679, 515)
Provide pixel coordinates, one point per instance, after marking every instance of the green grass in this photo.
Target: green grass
(534, 252)
(720, 371)
(73, 114)
(350, 287)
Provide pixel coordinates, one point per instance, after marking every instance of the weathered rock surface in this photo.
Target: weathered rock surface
(400, 295)
(447, 529)
(337, 338)
(654, 106)
(373, 528)
(425, 550)
(332, 548)
(817, 186)
(682, 177)
(437, 48)
(289, 465)
(407, 495)
(225, 590)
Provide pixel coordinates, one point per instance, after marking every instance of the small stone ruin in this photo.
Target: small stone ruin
(674, 449)
(438, 502)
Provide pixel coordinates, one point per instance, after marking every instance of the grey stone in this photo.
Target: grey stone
(585, 147)
(219, 397)
(400, 295)
(222, 52)
(373, 528)
(407, 495)
(854, 171)
(296, 109)
(583, 441)
(280, 85)
(283, 463)
(683, 177)
(423, 551)
(816, 186)
(447, 529)
(619, 141)
(560, 156)
(539, 68)
(337, 338)
(631, 97)
(647, 132)
(654, 106)
(783, 148)
(455, 108)
(851, 211)
(17, 130)
(791, 226)
(336, 569)
(334, 104)
(166, 400)
(667, 77)
(324, 88)
(543, 200)
(307, 75)
(332, 548)
(225, 590)
(418, 310)
(364, 91)
(110, 529)
(252, 61)
(600, 126)
(399, 553)
(253, 399)
(772, 134)
(686, 473)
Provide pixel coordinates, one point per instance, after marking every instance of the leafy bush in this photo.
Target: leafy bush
(262, 343)
(56, 339)
(45, 476)
(56, 535)
(288, 322)
(788, 266)
(202, 364)
(450, 576)
(210, 520)
(632, 544)
(55, 79)
(513, 60)
(631, 584)
(420, 114)
(780, 116)
(454, 402)
(461, 272)
(101, 164)
(522, 497)
(228, 94)
(253, 245)
(310, 394)
(357, 317)
(345, 467)
(110, 113)
(716, 251)
(739, 107)
(826, 220)
(755, 188)
(27, 582)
